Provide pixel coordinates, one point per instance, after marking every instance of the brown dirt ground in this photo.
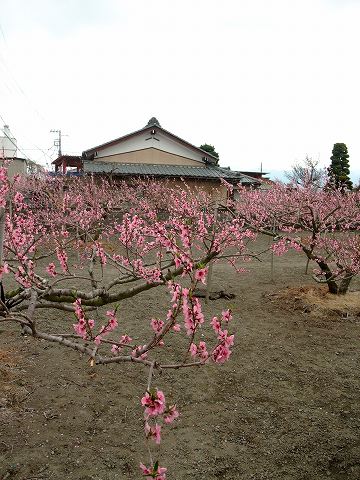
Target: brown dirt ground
(286, 406)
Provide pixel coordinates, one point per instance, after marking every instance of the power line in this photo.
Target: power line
(19, 90)
(2, 33)
(16, 83)
(22, 150)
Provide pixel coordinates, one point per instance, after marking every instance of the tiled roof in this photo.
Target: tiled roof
(185, 171)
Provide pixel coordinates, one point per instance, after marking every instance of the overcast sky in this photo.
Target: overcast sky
(265, 81)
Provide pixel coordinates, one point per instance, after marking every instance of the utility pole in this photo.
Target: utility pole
(57, 142)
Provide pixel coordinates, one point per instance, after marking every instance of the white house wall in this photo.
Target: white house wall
(7, 147)
(144, 141)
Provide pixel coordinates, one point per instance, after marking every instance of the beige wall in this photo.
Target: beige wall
(212, 187)
(151, 156)
(144, 141)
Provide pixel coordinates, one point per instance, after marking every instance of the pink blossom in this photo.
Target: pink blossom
(100, 253)
(226, 315)
(83, 325)
(171, 414)
(4, 269)
(3, 174)
(221, 353)
(154, 403)
(201, 275)
(199, 350)
(153, 473)
(63, 258)
(18, 198)
(157, 325)
(136, 350)
(153, 432)
(216, 324)
(112, 322)
(202, 352)
(124, 340)
(51, 269)
(193, 349)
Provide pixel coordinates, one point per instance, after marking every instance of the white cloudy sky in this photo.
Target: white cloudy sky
(265, 81)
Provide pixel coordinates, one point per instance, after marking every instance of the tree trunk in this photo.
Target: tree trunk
(331, 283)
(2, 234)
(2, 239)
(344, 284)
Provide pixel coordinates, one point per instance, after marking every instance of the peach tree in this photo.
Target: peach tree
(76, 245)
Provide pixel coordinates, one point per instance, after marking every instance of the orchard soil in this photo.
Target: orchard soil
(286, 405)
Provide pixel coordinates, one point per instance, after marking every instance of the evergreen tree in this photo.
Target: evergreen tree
(339, 171)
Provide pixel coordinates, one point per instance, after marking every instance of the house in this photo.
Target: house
(155, 152)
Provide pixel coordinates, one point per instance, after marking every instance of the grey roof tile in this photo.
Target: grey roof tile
(185, 171)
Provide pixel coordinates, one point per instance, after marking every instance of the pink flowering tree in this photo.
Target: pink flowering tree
(78, 245)
(322, 224)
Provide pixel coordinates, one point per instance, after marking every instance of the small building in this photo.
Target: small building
(8, 154)
(64, 162)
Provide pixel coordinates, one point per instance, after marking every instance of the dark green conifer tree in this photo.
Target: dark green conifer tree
(339, 171)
